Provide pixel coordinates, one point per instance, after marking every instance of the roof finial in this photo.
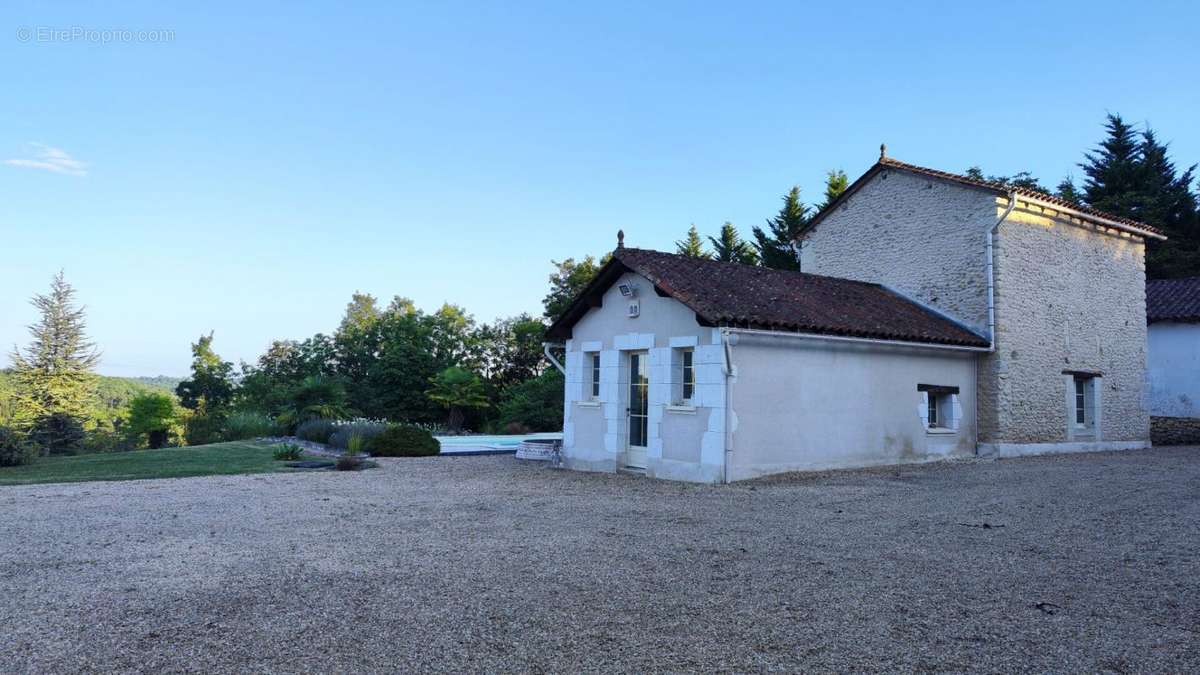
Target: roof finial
(620, 238)
(883, 151)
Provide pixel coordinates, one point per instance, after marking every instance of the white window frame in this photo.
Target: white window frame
(593, 368)
(938, 407)
(1083, 403)
(680, 396)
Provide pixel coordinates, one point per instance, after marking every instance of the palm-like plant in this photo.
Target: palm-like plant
(316, 397)
(457, 389)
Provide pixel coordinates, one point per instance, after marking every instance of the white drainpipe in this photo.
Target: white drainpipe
(727, 343)
(546, 350)
(991, 271)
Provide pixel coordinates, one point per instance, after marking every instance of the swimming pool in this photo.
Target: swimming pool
(479, 444)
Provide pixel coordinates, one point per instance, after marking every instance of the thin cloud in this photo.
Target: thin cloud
(51, 159)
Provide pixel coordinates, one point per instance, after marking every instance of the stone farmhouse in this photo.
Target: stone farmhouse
(936, 316)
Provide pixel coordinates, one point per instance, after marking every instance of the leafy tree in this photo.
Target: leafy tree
(570, 277)
(397, 377)
(536, 404)
(692, 246)
(730, 247)
(361, 312)
(54, 383)
(211, 385)
(1023, 179)
(836, 182)
(151, 416)
(265, 385)
(778, 246)
(457, 389)
(511, 350)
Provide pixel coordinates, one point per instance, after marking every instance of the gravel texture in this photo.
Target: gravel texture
(1079, 563)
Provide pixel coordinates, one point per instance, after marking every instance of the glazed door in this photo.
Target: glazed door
(639, 411)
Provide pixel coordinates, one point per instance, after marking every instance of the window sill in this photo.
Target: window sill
(682, 409)
(940, 431)
(588, 404)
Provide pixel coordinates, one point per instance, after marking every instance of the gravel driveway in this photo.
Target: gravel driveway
(1082, 562)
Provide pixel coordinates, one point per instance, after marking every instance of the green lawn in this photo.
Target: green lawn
(201, 460)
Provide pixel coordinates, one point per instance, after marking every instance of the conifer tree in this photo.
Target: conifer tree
(55, 382)
(1067, 190)
(730, 247)
(836, 182)
(1113, 172)
(692, 246)
(777, 246)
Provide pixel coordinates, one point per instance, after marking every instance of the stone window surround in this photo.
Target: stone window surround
(949, 410)
(1090, 431)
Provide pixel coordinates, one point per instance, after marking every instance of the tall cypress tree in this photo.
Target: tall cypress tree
(1113, 179)
(55, 382)
(730, 247)
(692, 246)
(1130, 175)
(777, 246)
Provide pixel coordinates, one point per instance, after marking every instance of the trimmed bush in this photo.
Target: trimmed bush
(401, 440)
(367, 429)
(316, 430)
(14, 449)
(243, 425)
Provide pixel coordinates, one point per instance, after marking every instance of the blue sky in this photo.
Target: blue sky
(249, 174)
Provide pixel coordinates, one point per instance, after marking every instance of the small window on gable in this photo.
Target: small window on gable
(594, 361)
(940, 406)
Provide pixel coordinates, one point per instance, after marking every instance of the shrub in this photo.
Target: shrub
(243, 425)
(537, 404)
(368, 429)
(57, 433)
(287, 451)
(402, 440)
(203, 428)
(513, 428)
(316, 430)
(14, 449)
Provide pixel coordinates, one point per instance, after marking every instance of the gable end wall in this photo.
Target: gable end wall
(920, 236)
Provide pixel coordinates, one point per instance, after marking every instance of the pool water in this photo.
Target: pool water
(494, 442)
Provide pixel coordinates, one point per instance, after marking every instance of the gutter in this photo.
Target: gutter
(776, 334)
(1090, 217)
(546, 350)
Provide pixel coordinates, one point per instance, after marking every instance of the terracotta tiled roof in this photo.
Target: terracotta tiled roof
(728, 294)
(888, 162)
(1173, 300)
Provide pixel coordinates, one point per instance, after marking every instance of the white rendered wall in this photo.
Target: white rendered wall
(1174, 373)
(685, 442)
(803, 405)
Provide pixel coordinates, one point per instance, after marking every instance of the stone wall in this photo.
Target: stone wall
(920, 236)
(1068, 297)
(1175, 430)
